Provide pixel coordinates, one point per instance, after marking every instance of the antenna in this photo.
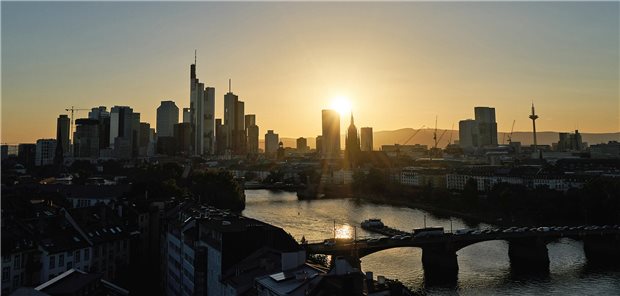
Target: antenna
(229, 88)
(195, 51)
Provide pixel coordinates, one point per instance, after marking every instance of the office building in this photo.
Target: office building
(86, 138)
(135, 134)
(144, 139)
(26, 154)
(302, 145)
(121, 131)
(46, 149)
(187, 115)
(331, 134)
(234, 124)
(271, 143)
(251, 131)
(167, 117)
(570, 142)
(63, 126)
(468, 134)
(366, 140)
(318, 142)
(220, 137)
(183, 138)
(202, 114)
(487, 126)
(98, 113)
(479, 132)
(352, 145)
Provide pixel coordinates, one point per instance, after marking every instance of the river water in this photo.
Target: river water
(484, 268)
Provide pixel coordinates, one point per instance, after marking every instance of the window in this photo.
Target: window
(6, 258)
(86, 254)
(52, 262)
(16, 281)
(6, 274)
(17, 261)
(69, 265)
(61, 260)
(76, 256)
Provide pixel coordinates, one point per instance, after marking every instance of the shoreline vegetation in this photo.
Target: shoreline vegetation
(598, 202)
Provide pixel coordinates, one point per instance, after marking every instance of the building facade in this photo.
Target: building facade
(331, 134)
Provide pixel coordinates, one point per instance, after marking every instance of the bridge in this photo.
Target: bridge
(527, 249)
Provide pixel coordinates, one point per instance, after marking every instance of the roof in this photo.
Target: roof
(284, 283)
(69, 282)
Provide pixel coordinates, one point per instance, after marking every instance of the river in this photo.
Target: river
(484, 268)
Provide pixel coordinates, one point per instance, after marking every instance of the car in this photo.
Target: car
(463, 231)
(329, 243)
(405, 237)
(396, 237)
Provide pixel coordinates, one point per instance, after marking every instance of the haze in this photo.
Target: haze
(399, 64)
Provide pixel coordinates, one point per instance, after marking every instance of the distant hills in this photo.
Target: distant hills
(425, 137)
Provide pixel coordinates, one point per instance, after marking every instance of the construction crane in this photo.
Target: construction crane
(511, 131)
(451, 132)
(73, 109)
(414, 133)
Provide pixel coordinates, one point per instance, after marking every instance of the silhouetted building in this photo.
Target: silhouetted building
(63, 126)
(234, 125)
(252, 131)
(609, 150)
(121, 131)
(570, 142)
(202, 114)
(167, 117)
(366, 139)
(487, 126)
(318, 142)
(468, 134)
(135, 134)
(86, 138)
(4, 151)
(98, 113)
(302, 145)
(352, 145)
(220, 137)
(271, 143)
(45, 152)
(183, 137)
(166, 145)
(26, 154)
(331, 134)
(187, 115)
(144, 138)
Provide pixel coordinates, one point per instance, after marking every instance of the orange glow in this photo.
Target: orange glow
(342, 105)
(344, 231)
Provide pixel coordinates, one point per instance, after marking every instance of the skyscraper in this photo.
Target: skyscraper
(487, 127)
(167, 117)
(86, 138)
(45, 150)
(252, 131)
(202, 114)
(103, 117)
(187, 115)
(121, 131)
(468, 134)
(271, 143)
(366, 139)
(234, 123)
(352, 144)
(302, 145)
(63, 125)
(331, 134)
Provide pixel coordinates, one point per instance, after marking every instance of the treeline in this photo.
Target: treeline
(598, 202)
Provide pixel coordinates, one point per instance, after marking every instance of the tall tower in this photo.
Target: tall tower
(533, 117)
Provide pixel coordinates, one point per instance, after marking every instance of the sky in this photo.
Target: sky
(400, 64)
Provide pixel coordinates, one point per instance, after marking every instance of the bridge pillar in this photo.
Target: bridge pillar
(602, 250)
(528, 255)
(440, 265)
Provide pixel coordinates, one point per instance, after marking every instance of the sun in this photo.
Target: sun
(342, 105)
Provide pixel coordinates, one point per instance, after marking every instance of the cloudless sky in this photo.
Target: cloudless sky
(400, 64)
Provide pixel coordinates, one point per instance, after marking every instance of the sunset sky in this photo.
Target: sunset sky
(399, 64)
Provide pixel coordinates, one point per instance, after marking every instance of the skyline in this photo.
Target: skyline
(363, 58)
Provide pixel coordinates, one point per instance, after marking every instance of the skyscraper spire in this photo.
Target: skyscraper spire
(229, 88)
(352, 118)
(195, 54)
